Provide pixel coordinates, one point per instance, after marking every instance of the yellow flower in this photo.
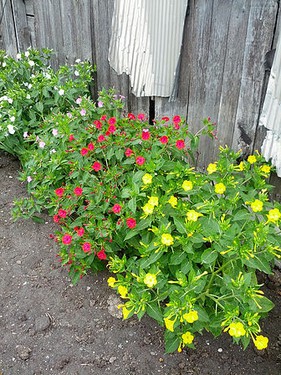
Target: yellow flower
(241, 166)
(261, 342)
(236, 329)
(187, 337)
(257, 205)
(266, 169)
(169, 324)
(148, 208)
(150, 280)
(173, 201)
(125, 312)
(212, 167)
(274, 215)
(167, 239)
(123, 291)
(193, 215)
(187, 185)
(111, 282)
(252, 159)
(147, 179)
(191, 316)
(153, 201)
(220, 188)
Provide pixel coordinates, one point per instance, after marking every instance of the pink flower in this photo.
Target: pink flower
(112, 121)
(180, 144)
(83, 112)
(165, 118)
(140, 160)
(176, 119)
(80, 231)
(111, 129)
(96, 166)
(100, 104)
(141, 116)
(116, 208)
(56, 218)
(164, 139)
(78, 100)
(129, 152)
(91, 146)
(145, 134)
(98, 124)
(131, 116)
(101, 254)
(66, 239)
(131, 223)
(78, 191)
(71, 138)
(101, 138)
(86, 247)
(103, 118)
(59, 192)
(29, 179)
(84, 151)
(62, 213)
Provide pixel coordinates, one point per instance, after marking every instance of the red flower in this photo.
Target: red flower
(56, 218)
(103, 118)
(101, 254)
(78, 191)
(131, 223)
(79, 231)
(98, 124)
(112, 121)
(140, 160)
(111, 129)
(176, 119)
(101, 138)
(116, 208)
(66, 239)
(145, 134)
(59, 192)
(91, 146)
(164, 139)
(86, 247)
(165, 118)
(71, 138)
(131, 116)
(62, 213)
(141, 116)
(180, 144)
(129, 152)
(96, 166)
(84, 151)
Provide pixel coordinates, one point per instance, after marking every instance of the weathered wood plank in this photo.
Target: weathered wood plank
(259, 40)
(8, 39)
(22, 31)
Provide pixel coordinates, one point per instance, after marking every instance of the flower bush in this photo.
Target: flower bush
(184, 246)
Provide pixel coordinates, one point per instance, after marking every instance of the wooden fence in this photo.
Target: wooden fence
(222, 65)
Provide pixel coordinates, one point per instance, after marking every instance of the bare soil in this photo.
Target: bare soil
(49, 326)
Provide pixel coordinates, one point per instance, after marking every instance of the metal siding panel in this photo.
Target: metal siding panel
(271, 113)
(146, 42)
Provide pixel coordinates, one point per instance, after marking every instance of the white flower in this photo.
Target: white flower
(11, 129)
(76, 73)
(78, 100)
(26, 54)
(18, 56)
(61, 92)
(10, 100)
(55, 132)
(25, 135)
(12, 119)
(4, 64)
(42, 144)
(77, 61)
(29, 179)
(47, 75)
(31, 62)
(27, 96)
(29, 85)
(53, 151)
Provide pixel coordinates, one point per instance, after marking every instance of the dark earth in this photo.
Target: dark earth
(49, 326)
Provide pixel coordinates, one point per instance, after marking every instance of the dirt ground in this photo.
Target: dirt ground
(49, 326)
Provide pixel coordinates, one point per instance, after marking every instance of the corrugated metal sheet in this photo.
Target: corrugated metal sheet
(146, 42)
(271, 113)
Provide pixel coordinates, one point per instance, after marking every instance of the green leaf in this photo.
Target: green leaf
(260, 263)
(39, 106)
(137, 176)
(126, 193)
(132, 204)
(177, 257)
(146, 262)
(154, 311)
(172, 342)
(145, 223)
(130, 234)
(241, 215)
(209, 256)
(37, 219)
(180, 226)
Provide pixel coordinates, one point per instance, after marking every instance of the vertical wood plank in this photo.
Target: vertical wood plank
(8, 39)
